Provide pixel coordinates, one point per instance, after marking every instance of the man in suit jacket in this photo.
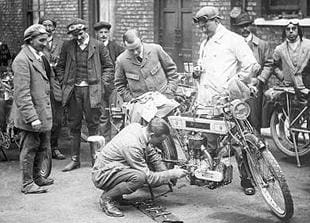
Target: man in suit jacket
(85, 71)
(32, 107)
(291, 56)
(144, 67)
(102, 30)
(52, 51)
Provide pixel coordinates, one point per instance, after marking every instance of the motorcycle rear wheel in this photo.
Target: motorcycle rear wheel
(169, 151)
(269, 179)
(279, 126)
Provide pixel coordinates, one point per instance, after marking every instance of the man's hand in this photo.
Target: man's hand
(178, 173)
(36, 125)
(197, 72)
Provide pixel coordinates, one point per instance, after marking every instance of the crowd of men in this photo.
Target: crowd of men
(85, 75)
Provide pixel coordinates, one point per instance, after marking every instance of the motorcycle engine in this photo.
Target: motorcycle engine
(204, 169)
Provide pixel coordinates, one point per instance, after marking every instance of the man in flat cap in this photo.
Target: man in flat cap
(85, 71)
(144, 67)
(52, 51)
(263, 54)
(102, 30)
(32, 107)
(225, 60)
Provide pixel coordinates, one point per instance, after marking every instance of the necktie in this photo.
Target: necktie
(46, 66)
(139, 59)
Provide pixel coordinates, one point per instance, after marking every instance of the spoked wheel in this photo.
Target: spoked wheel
(46, 164)
(283, 138)
(169, 151)
(270, 180)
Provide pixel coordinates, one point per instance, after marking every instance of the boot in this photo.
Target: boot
(93, 150)
(96, 142)
(75, 151)
(74, 164)
(109, 207)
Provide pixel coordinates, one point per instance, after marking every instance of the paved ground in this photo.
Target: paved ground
(74, 199)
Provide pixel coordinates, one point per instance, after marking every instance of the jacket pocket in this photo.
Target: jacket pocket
(155, 69)
(133, 76)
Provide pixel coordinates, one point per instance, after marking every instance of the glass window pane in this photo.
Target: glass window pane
(283, 2)
(170, 3)
(187, 4)
(169, 27)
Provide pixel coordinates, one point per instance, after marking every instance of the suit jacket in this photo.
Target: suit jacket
(114, 50)
(263, 55)
(284, 65)
(157, 72)
(52, 54)
(31, 92)
(100, 71)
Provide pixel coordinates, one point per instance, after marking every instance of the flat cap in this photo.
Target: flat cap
(76, 24)
(102, 24)
(33, 31)
(243, 18)
(208, 12)
(47, 18)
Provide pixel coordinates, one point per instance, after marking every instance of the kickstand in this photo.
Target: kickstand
(296, 150)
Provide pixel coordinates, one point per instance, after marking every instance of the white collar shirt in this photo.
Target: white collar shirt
(223, 57)
(85, 43)
(36, 53)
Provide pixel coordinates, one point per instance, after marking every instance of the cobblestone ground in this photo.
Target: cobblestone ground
(74, 199)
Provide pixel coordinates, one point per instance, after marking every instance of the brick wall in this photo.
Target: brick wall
(134, 14)
(12, 24)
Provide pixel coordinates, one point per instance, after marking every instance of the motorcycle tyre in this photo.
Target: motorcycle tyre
(283, 144)
(169, 151)
(271, 163)
(46, 166)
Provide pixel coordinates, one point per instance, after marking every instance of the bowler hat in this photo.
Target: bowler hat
(243, 19)
(76, 24)
(207, 12)
(102, 24)
(33, 31)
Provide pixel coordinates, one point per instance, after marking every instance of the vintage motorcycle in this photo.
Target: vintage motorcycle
(228, 119)
(9, 138)
(290, 122)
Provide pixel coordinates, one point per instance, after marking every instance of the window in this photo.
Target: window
(287, 8)
(34, 11)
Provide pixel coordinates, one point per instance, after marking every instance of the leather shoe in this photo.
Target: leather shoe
(33, 189)
(71, 166)
(108, 207)
(44, 181)
(56, 154)
(248, 187)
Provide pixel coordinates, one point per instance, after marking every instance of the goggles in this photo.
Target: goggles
(76, 27)
(202, 19)
(293, 22)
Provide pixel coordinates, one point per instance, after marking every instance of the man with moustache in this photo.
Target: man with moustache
(52, 51)
(102, 30)
(85, 71)
(32, 107)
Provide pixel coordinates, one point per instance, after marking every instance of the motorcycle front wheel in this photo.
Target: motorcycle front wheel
(269, 179)
(46, 166)
(283, 138)
(169, 151)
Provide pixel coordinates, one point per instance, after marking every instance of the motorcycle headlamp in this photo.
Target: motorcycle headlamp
(240, 110)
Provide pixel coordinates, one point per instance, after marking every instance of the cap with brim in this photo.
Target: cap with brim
(243, 19)
(76, 25)
(47, 18)
(206, 13)
(33, 31)
(133, 45)
(100, 25)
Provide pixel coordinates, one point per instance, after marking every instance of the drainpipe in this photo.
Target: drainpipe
(244, 4)
(80, 9)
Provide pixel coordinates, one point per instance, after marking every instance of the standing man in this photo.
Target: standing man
(32, 107)
(52, 51)
(262, 53)
(144, 67)
(85, 71)
(224, 59)
(102, 30)
(291, 56)
(122, 165)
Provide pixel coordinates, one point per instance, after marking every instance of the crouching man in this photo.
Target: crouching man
(122, 165)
